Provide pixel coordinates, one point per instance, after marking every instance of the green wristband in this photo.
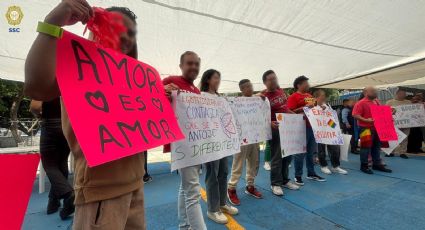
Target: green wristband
(49, 29)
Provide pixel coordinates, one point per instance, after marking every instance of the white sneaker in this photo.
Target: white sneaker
(291, 186)
(229, 210)
(339, 170)
(267, 166)
(325, 170)
(217, 217)
(277, 190)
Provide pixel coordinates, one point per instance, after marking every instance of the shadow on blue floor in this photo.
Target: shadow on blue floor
(354, 201)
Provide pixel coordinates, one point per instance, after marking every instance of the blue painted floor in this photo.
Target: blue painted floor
(354, 201)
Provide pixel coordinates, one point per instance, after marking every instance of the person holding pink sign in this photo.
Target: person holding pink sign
(369, 140)
(108, 196)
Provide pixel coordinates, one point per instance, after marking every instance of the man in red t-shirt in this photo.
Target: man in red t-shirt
(279, 166)
(369, 140)
(296, 102)
(189, 209)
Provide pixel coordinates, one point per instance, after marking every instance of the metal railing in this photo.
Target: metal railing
(27, 133)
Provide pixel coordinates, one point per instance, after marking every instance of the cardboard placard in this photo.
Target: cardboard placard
(408, 116)
(292, 132)
(116, 104)
(253, 118)
(393, 144)
(325, 125)
(383, 122)
(210, 129)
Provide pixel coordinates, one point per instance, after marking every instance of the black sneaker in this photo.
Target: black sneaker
(404, 156)
(299, 181)
(316, 177)
(53, 205)
(367, 170)
(381, 168)
(389, 155)
(147, 179)
(68, 207)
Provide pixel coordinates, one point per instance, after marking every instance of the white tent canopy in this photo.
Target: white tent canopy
(407, 74)
(327, 41)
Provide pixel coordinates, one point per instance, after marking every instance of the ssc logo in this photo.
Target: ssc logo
(14, 30)
(14, 17)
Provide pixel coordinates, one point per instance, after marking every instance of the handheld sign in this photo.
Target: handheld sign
(393, 144)
(383, 122)
(292, 133)
(325, 125)
(253, 118)
(345, 148)
(210, 129)
(17, 175)
(116, 104)
(408, 116)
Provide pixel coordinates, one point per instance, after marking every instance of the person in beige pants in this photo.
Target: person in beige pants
(250, 154)
(400, 99)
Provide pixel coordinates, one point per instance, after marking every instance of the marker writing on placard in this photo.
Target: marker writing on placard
(139, 75)
(153, 130)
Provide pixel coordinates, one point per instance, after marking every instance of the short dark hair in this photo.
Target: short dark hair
(184, 54)
(299, 80)
(317, 92)
(124, 10)
(127, 12)
(267, 73)
(345, 101)
(243, 81)
(204, 85)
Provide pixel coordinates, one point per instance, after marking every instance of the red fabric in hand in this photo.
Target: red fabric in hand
(106, 27)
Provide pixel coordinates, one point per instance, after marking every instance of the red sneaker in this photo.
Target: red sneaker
(233, 197)
(251, 190)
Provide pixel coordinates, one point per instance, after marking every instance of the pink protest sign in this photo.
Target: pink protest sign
(17, 174)
(383, 122)
(116, 104)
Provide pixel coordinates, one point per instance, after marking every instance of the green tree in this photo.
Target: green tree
(13, 107)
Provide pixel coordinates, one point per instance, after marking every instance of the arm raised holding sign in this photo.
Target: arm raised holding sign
(106, 126)
(40, 65)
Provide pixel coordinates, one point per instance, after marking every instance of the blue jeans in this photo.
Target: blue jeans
(216, 183)
(189, 208)
(311, 150)
(374, 150)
